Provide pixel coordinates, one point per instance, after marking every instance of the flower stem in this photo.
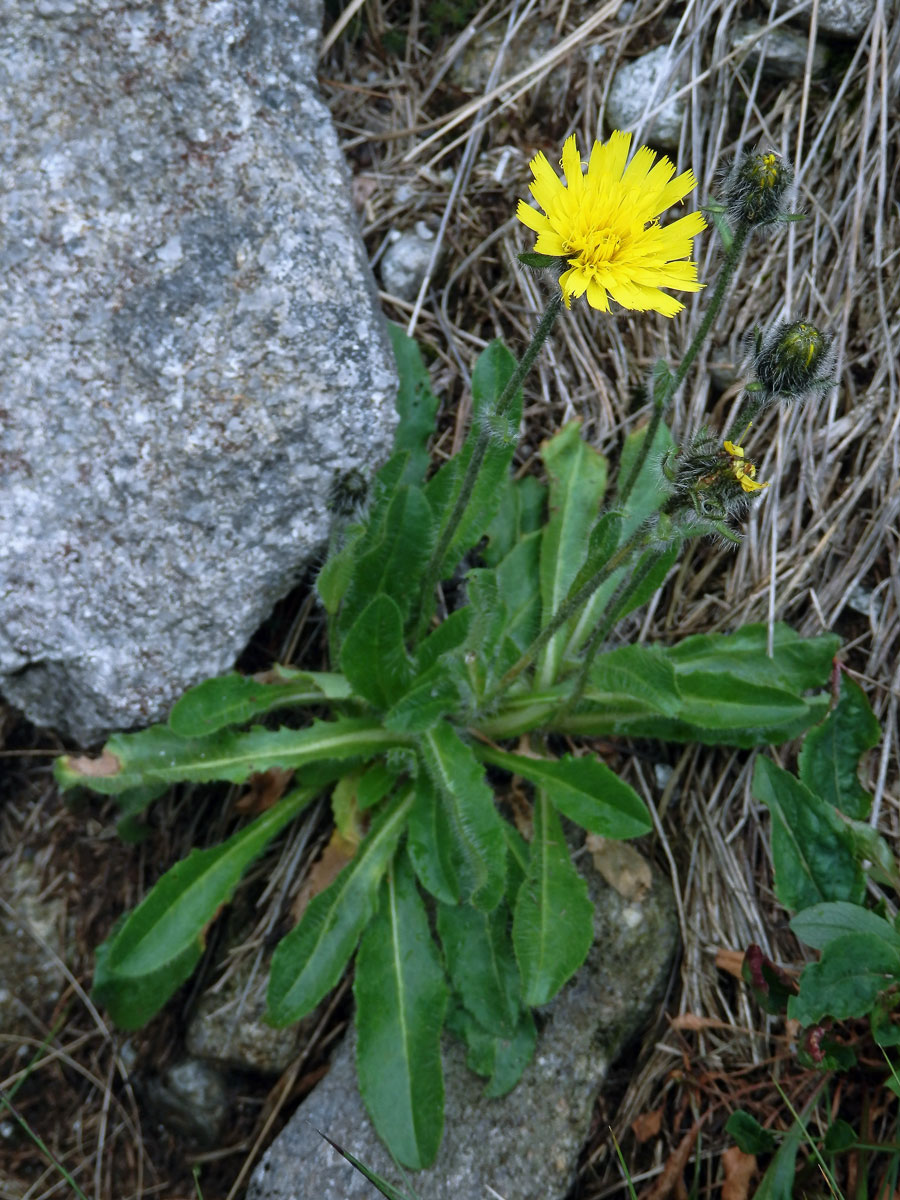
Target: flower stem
(479, 450)
(663, 397)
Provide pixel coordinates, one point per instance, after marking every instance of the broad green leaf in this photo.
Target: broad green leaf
(638, 678)
(487, 630)
(334, 578)
(374, 784)
(553, 923)
(431, 845)
(577, 483)
(839, 1136)
(605, 539)
(517, 862)
(417, 405)
(811, 848)
(778, 1181)
(158, 945)
(373, 656)
(474, 822)
(847, 981)
(235, 699)
(748, 1134)
(501, 1059)
(392, 559)
(521, 513)
(437, 692)
(401, 996)
(583, 789)
(157, 755)
(651, 489)
(823, 923)
(829, 761)
(493, 369)
(481, 964)
(448, 636)
(518, 585)
(796, 664)
(309, 961)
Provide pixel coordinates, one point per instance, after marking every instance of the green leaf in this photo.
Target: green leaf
(636, 678)
(416, 404)
(487, 631)
(493, 369)
(157, 755)
(553, 923)
(501, 1059)
(393, 557)
(482, 965)
(158, 945)
(309, 961)
(796, 664)
(401, 996)
(431, 845)
(521, 512)
(377, 1181)
(577, 483)
(519, 591)
(839, 1136)
(476, 827)
(747, 1133)
(530, 258)
(829, 761)
(373, 656)
(811, 848)
(778, 1181)
(847, 981)
(374, 784)
(448, 636)
(235, 699)
(821, 924)
(334, 578)
(583, 789)
(434, 694)
(651, 489)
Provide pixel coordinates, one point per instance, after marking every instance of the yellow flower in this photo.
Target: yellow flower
(606, 225)
(744, 472)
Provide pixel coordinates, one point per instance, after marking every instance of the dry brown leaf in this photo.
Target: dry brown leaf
(730, 961)
(671, 1179)
(621, 866)
(263, 789)
(692, 1022)
(738, 1169)
(101, 767)
(324, 871)
(647, 1125)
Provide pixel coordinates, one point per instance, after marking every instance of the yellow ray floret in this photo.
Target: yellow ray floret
(744, 472)
(605, 224)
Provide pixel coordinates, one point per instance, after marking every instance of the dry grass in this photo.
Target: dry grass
(821, 548)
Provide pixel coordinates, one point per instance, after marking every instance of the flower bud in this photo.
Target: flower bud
(756, 188)
(794, 358)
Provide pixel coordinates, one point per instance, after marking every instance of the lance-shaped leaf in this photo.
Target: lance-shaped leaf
(373, 656)
(521, 513)
(435, 693)
(235, 699)
(157, 755)
(577, 483)
(401, 996)
(310, 960)
(796, 664)
(392, 558)
(501, 1058)
(476, 827)
(482, 965)
(812, 849)
(636, 678)
(583, 789)
(416, 404)
(492, 371)
(334, 578)
(158, 945)
(431, 845)
(448, 636)
(829, 761)
(823, 923)
(553, 923)
(519, 589)
(651, 488)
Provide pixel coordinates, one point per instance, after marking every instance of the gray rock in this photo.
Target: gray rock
(30, 976)
(406, 260)
(227, 1025)
(526, 1144)
(783, 50)
(191, 343)
(844, 18)
(472, 68)
(631, 91)
(190, 1098)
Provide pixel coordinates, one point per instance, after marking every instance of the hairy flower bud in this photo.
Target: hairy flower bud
(756, 188)
(793, 359)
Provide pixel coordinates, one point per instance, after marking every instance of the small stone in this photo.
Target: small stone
(405, 262)
(472, 69)
(634, 85)
(526, 1144)
(845, 18)
(783, 51)
(190, 1099)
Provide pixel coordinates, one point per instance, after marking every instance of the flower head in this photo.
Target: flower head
(757, 188)
(743, 471)
(605, 226)
(794, 358)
